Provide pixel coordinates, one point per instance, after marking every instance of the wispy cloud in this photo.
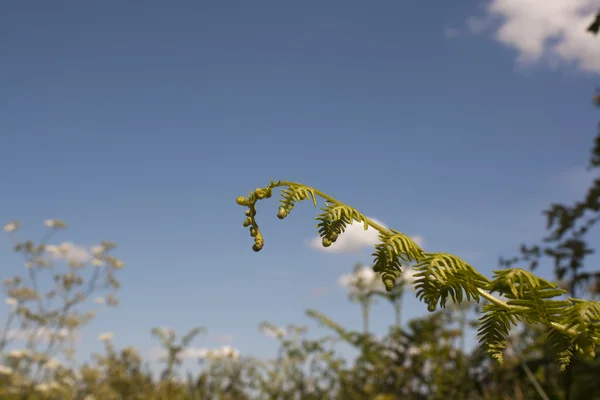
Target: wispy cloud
(553, 31)
(450, 32)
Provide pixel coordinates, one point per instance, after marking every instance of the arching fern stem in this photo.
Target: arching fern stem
(573, 323)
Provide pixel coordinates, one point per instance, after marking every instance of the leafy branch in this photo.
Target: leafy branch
(573, 325)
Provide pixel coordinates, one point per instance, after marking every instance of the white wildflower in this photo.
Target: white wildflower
(413, 351)
(55, 224)
(165, 330)
(69, 381)
(65, 247)
(42, 387)
(105, 336)
(229, 352)
(96, 262)
(204, 353)
(225, 352)
(98, 250)
(273, 331)
(11, 226)
(52, 364)
(18, 354)
(53, 250)
(361, 282)
(4, 370)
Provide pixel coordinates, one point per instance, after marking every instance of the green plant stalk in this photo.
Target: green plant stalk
(398, 310)
(463, 326)
(365, 314)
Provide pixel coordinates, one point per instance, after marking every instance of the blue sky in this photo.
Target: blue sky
(142, 124)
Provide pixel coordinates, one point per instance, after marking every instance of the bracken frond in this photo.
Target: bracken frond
(334, 219)
(561, 348)
(394, 250)
(294, 194)
(439, 275)
(530, 294)
(584, 316)
(573, 324)
(495, 327)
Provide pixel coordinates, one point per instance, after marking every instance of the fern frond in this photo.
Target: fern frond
(440, 275)
(334, 219)
(561, 348)
(402, 246)
(530, 294)
(584, 316)
(515, 282)
(342, 211)
(385, 258)
(395, 249)
(574, 324)
(494, 327)
(294, 194)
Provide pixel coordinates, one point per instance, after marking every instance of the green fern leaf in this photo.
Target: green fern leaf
(440, 275)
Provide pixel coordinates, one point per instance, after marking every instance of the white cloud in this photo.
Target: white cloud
(408, 276)
(478, 24)
(354, 239)
(418, 240)
(361, 281)
(553, 31)
(450, 32)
